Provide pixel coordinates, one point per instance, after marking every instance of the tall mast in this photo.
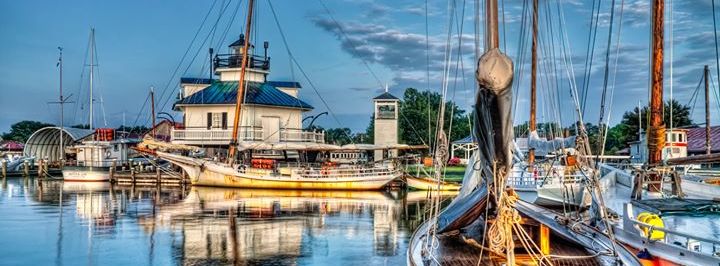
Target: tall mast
(707, 110)
(533, 79)
(492, 41)
(62, 110)
(656, 129)
(241, 85)
(152, 107)
(92, 70)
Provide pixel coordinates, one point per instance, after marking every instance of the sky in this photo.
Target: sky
(345, 52)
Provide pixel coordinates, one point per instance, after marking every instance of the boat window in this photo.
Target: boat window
(680, 137)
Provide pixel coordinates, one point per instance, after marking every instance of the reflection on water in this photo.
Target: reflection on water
(51, 222)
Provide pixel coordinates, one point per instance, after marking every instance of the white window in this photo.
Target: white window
(216, 120)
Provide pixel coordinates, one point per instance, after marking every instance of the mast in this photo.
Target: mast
(707, 110)
(656, 129)
(492, 41)
(62, 110)
(241, 86)
(533, 79)
(152, 104)
(92, 70)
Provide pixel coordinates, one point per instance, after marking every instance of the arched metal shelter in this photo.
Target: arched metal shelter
(45, 143)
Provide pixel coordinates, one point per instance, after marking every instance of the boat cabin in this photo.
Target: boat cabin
(676, 144)
(103, 150)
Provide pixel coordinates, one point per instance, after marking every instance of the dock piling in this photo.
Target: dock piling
(4, 169)
(26, 168)
(41, 167)
(112, 172)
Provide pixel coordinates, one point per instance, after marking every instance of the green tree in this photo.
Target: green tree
(22, 130)
(417, 108)
(680, 118)
(338, 136)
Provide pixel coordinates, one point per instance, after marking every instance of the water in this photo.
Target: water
(56, 223)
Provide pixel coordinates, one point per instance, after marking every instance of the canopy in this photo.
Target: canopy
(45, 143)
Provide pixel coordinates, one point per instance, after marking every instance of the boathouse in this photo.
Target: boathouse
(271, 110)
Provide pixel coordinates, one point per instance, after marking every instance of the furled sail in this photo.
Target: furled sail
(544, 147)
(493, 131)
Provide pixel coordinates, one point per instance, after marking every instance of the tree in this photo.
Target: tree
(22, 130)
(413, 118)
(680, 117)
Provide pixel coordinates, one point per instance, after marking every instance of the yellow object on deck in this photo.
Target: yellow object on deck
(656, 222)
(544, 239)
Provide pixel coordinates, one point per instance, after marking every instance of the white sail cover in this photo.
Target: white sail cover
(544, 147)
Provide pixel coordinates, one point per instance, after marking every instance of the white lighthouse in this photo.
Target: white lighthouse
(386, 122)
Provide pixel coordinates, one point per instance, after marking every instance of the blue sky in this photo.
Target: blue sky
(140, 44)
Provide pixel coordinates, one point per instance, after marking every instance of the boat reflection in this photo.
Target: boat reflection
(205, 225)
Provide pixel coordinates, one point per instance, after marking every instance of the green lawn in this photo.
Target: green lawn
(452, 173)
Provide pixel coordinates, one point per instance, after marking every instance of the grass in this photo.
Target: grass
(452, 173)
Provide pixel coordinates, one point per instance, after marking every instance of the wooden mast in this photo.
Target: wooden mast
(241, 86)
(533, 79)
(656, 129)
(707, 110)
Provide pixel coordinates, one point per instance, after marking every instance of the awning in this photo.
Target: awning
(45, 143)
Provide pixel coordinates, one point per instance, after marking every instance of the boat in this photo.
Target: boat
(256, 169)
(426, 183)
(666, 219)
(488, 223)
(96, 154)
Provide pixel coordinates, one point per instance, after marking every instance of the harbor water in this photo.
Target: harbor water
(65, 223)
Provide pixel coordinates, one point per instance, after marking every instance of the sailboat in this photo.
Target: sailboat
(665, 223)
(272, 175)
(487, 223)
(96, 154)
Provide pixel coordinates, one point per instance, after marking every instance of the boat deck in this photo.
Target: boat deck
(453, 250)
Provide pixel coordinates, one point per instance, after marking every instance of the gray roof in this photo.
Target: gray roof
(386, 96)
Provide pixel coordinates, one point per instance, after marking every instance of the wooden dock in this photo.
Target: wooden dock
(149, 176)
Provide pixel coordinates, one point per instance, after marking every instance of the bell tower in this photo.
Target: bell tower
(386, 122)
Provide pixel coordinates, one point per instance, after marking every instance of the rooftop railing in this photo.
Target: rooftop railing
(235, 61)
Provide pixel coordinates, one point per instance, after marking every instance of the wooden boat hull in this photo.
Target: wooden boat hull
(429, 184)
(205, 173)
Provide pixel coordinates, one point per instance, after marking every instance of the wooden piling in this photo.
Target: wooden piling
(26, 168)
(40, 168)
(112, 172)
(158, 175)
(132, 174)
(4, 169)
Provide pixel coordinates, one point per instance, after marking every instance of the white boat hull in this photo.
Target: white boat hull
(86, 175)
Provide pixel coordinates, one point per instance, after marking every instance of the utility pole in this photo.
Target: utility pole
(656, 129)
(707, 110)
(152, 104)
(533, 80)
